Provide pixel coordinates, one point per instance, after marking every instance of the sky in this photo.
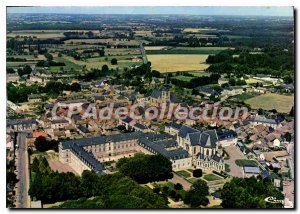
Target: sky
(192, 10)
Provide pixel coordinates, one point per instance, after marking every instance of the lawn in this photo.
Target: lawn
(281, 103)
(245, 162)
(170, 186)
(211, 177)
(177, 62)
(244, 96)
(184, 173)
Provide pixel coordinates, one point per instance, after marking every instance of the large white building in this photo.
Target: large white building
(185, 148)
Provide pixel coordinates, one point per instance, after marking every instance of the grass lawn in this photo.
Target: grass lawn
(211, 177)
(244, 96)
(281, 103)
(170, 186)
(184, 173)
(245, 162)
(177, 62)
(227, 168)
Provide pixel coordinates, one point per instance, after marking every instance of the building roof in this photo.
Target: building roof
(206, 139)
(87, 157)
(252, 169)
(185, 130)
(38, 134)
(174, 125)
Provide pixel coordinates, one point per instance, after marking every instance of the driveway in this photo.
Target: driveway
(234, 154)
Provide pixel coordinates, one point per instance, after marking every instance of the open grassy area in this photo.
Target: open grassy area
(281, 103)
(184, 173)
(244, 96)
(177, 62)
(170, 186)
(211, 177)
(245, 162)
(183, 78)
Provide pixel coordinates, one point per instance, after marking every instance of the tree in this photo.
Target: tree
(249, 193)
(146, 168)
(232, 82)
(292, 112)
(288, 136)
(35, 165)
(178, 186)
(197, 195)
(197, 173)
(260, 111)
(114, 61)
(75, 87)
(105, 68)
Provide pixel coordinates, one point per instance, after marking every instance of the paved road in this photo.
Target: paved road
(22, 172)
(291, 159)
(177, 179)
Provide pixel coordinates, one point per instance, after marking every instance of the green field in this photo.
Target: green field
(211, 177)
(188, 50)
(245, 162)
(281, 103)
(183, 78)
(242, 97)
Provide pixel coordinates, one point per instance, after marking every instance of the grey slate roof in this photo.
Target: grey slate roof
(252, 169)
(207, 139)
(88, 157)
(174, 125)
(185, 130)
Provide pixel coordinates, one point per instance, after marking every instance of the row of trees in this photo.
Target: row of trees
(108, 191)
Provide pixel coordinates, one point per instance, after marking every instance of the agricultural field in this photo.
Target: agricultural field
(98, 62)
(253, 81)
(281, 103)
(183, 78)
(154, 48)
(40, 34)
(198, 30)
(185, 50)
(178, 62)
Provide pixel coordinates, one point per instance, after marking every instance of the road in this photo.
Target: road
(177, 179)
(291, 159)
(23, 200)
